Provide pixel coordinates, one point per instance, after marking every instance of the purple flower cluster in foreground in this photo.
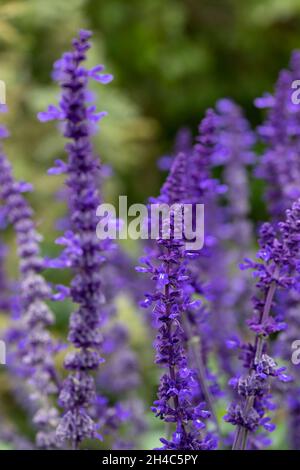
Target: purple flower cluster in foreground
(222, 342)
(278, 268)
(176, 401)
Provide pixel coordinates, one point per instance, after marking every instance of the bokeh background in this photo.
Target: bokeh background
(171, 60)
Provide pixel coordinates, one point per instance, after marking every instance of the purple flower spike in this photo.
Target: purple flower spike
(279, 165)
(280, 169)
(83, 252)
(35, 354)
(234, 151)
(175, 402)
(279, 263)
(4, 283)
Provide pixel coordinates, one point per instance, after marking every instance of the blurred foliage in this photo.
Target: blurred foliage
(171, 60)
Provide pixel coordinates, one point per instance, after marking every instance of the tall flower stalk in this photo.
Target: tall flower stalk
(175, 401)
(4, 287)
(83, 252)
(279, 165)
(232, 228)
(234, 151)
(202, 188)
(34, 343)
(280, 169)
(279, 255)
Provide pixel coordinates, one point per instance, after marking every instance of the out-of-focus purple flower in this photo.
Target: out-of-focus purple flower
(203, 188)
(35, 346)
(119, 378)
(83, 251)
(280, 168)
(279, 165)
(128, 414)
(230, 229)
(4, 284)
(234, 152)
(120, 373)
(183, 143)
(10, 436)
(294, 418)
(278, 267)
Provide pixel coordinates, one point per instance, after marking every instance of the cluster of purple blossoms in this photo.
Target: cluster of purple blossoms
(83, 253)
(4, 286)
(278, 269)
(171, 301)
(234, 151)
(202, 188)
(228, 290)
(30, 334)
(280, 168)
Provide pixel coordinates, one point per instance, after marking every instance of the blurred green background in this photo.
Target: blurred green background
(171, 59)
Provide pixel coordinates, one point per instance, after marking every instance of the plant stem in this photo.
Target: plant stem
(241, 436)
(194, 345)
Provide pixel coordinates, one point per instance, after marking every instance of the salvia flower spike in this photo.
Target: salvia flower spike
(279, 167)
(36, 347)
(83, 252)
(170, 300)
(279, 255)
